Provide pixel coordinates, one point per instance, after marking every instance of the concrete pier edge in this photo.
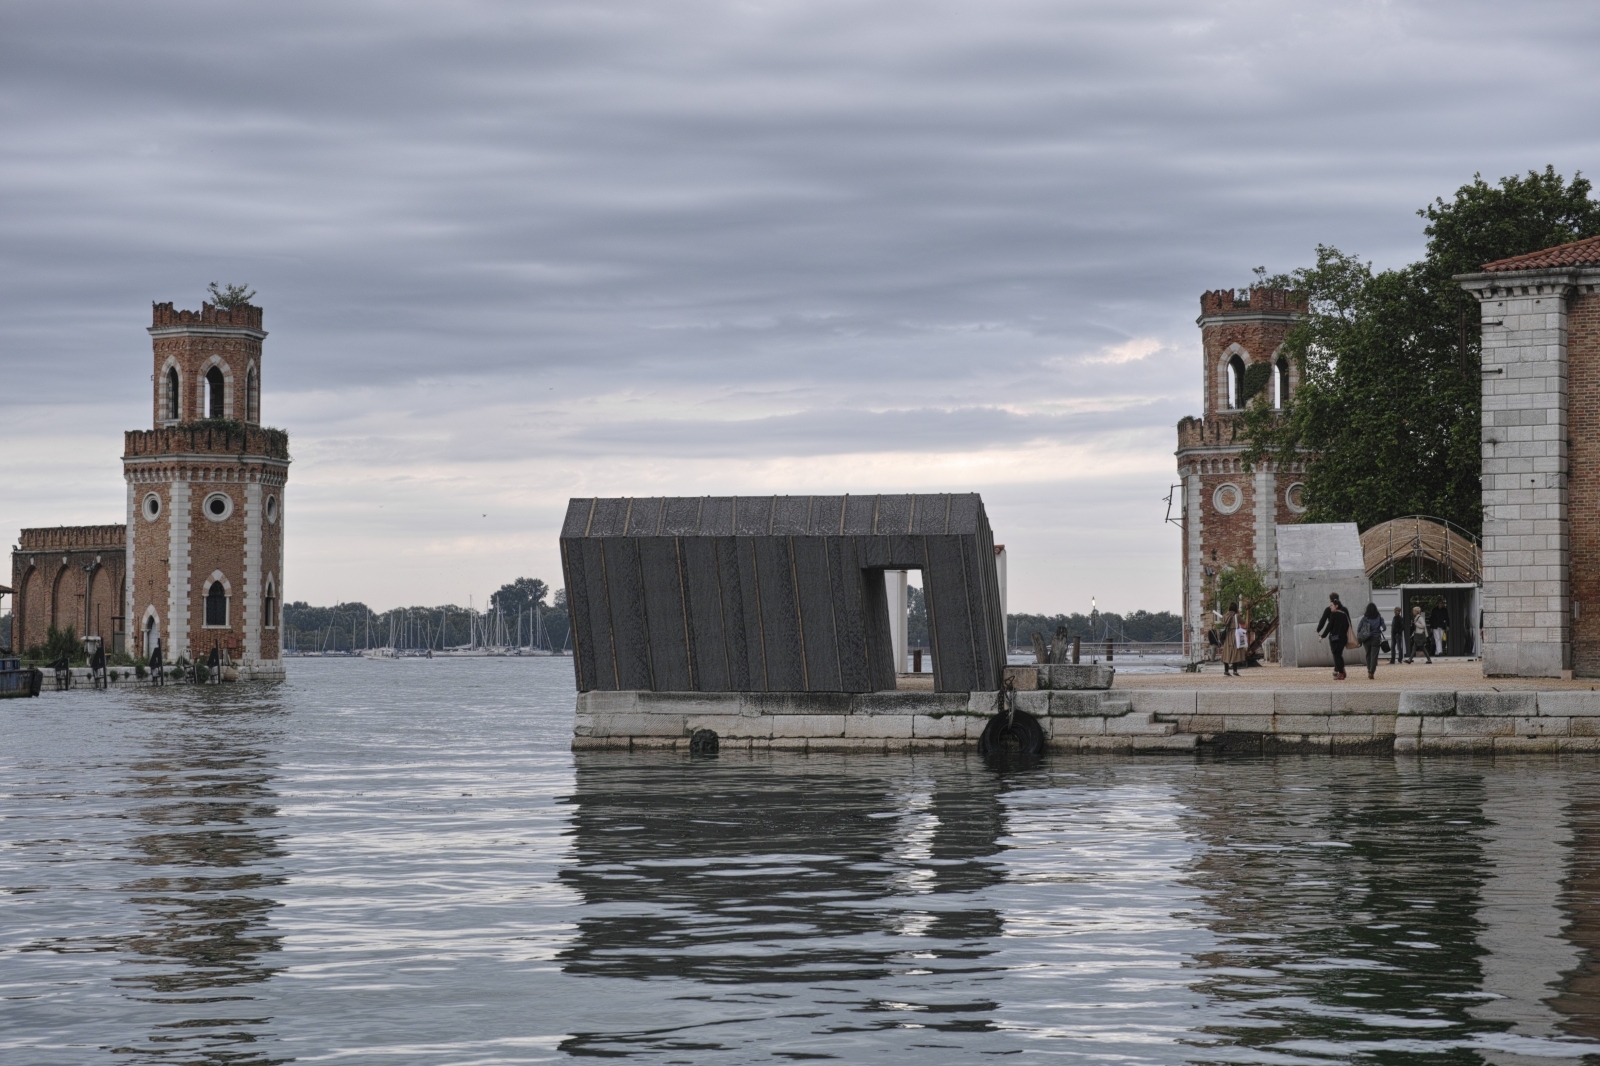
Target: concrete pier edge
(1125, 721)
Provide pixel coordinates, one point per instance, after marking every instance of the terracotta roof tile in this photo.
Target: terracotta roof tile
(1579, 253)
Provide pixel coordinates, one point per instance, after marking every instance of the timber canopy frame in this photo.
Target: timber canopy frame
(1433, 551)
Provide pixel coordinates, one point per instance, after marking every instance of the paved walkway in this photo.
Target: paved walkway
(1443, 675)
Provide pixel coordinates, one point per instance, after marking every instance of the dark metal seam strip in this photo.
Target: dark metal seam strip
(683, 603)
(799, 615)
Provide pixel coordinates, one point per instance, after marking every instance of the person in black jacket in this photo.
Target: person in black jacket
(1370, 632)
(1397, 637)
(1335, 625)
(1438, 624)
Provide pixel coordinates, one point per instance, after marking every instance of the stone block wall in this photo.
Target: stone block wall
(1526, 546)
(1334, 721)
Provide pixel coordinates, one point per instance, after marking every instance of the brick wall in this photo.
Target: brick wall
(191, 343)
(68, 576)
(1239, 529)
(1583, 481)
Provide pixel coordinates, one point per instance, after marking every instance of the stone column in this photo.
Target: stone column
(899, 616)
(177, 641)
(1526, 542)
(251, 652)
(1266, 504)
(1194, 565)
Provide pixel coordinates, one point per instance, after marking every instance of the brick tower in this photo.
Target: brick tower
(1230, 515)
(205, 496)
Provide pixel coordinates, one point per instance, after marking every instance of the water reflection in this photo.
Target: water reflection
(756, 871)
(1577, 1000)
(206, 851)
(1400, 909)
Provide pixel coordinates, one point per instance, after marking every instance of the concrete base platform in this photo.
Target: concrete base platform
(1346, 718)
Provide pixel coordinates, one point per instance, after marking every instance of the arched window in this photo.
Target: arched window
(172, 393)
(1280, 383)
(252, 397)
(217, 605)
(214, 393)
(1236, 382)
(269, 607)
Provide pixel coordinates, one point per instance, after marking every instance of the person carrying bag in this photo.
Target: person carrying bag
(1235, 642)
(1335, 625)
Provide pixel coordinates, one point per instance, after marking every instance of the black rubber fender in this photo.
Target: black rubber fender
(1016, 733)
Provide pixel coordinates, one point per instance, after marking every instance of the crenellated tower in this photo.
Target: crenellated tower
(205, 499)
(1230, 515)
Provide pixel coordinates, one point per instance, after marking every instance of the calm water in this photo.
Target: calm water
(403, 863)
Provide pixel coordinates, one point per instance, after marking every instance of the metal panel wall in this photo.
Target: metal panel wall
(775, 593)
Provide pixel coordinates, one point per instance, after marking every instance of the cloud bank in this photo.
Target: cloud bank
(513, 253)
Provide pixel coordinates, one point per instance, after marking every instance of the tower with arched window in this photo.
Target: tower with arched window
(205, 496)
(1230, 514)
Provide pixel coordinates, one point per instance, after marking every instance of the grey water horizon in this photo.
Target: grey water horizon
(403, 862)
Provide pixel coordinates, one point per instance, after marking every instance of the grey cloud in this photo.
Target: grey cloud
(928, 207)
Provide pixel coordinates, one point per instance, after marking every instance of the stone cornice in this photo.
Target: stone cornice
(1546, 281)
(203, 459)
(1235, 318)
(207, 331)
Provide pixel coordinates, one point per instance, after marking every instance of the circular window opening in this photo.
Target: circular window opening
(1294, 498)
(272, 508)
(152, 507)
(1227, 499)
(218, 506)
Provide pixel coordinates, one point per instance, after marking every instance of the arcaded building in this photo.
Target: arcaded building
(1230, 515)
(199, 562)
(1540, 317)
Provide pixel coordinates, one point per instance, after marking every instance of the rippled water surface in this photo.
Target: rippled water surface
(401, 862)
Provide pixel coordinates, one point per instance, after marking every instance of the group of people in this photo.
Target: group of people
(216, 662)
(1400, 637)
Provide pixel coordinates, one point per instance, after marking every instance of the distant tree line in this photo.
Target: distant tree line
(517, 615)
(1140, 625)
(1143, 626)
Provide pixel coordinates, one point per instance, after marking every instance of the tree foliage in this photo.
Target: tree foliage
(520, 595)
(1390, 360)
(1246, 585)
(59, 644)
(230, 296)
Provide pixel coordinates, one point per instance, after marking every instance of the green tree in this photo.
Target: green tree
(230, 296)
(1389, 361)
(59, 643)
(520, 595)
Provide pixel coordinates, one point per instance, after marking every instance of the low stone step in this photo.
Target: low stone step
(1140, 725)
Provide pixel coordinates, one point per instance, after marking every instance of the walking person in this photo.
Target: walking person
(1397, 637)
(1235, 642)
(1438, 624)
(157, 674)
(1369, 631)
(1419, 634)
(97, 666)
(1335, 625)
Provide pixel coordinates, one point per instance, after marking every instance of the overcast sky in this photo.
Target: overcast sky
(512, 253)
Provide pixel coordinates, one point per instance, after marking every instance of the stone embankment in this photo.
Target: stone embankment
(1346, 719)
